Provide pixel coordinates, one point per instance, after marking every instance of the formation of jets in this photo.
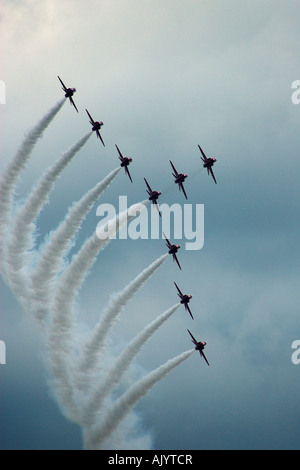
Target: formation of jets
(153, 197)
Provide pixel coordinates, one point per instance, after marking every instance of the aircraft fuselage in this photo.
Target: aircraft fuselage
(174, 249)
(97, 125)
(185, 299)
(209, 163)
(180, 178)
(126, 161)
(70, 92)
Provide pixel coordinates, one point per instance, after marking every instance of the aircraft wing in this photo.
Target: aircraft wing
(64, 87)
(203, 355)
(176, 259)
(99, 135)
(212, 174)
(188, 309)
(127, 172)
(193, 338)
(148, 185)
(91, 119)
(72, 102)
(178, 289)
(183, 190)
(155, 203)
(121, 156)
(168, 242)
(174, 169)
(204, 156)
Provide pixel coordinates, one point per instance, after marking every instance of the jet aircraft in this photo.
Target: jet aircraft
(69, 92)
(173, 250)
(208, 163)
(179, 179)
(184, 299)
(124, 162)
(199, 347)
(153, 195)
(96, 126)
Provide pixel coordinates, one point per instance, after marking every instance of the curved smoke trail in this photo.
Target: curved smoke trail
(21, 239)
(18, 163)
(50, 261)
(74, 274)
(123, 406)
(93, 347)
(62, 326)
(114, 376)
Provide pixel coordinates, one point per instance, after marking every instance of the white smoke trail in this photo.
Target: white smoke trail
(74, 275)
(50, 261)
(124, 404)
(121, 365)
(93, 347)
(21, 239)
(62, 327)
(13, 170)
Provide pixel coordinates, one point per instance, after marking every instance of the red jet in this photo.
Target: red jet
(173, 250)
(184, 299)
(208, 163)
(124, 162)
(69, 92)
(179, 179)
(96, 126)
(153, 195)
(199, 346)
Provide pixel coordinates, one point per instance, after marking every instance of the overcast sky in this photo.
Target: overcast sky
(165, 76)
